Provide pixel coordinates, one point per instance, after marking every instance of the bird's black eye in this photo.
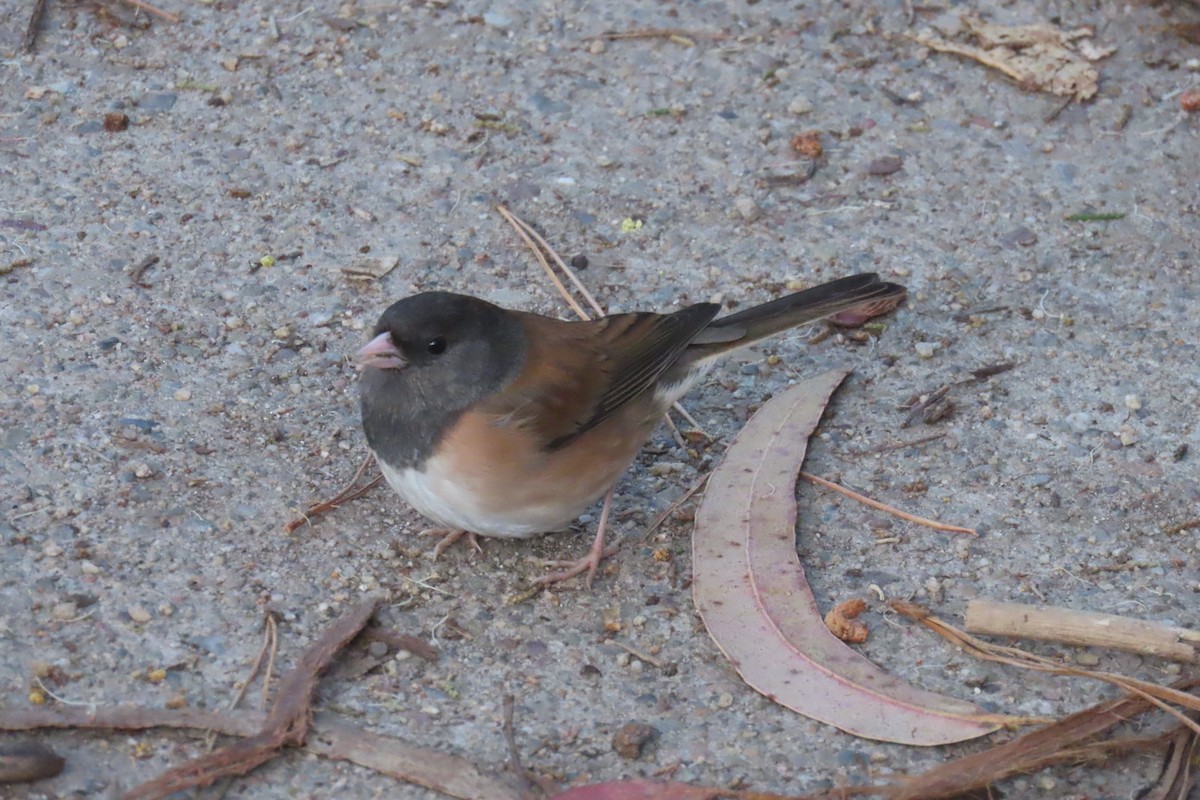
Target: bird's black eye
(436, 345)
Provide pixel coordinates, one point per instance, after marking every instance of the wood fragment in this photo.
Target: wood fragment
(35, 22)
(1083, 628)
(1159, 696)
(1176, 780)
(330, 737)
(403, 641)
(983, 373)
(920, 407)
(1191, 524)
(1035, 750)
(25, 761)
(673, 34)
(135, 275)
(286, 724)
(532, 783)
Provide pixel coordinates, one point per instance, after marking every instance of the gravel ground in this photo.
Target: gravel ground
(157, 434)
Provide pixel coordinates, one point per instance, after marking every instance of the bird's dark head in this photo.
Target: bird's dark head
(431, 356)
(441, 332)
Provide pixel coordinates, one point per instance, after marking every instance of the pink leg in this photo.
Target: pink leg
(449, 537)
(596, 553)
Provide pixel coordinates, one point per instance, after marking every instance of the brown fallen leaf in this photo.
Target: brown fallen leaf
(1041, 57)
(749, 587)
(842, 621)
(28, 761)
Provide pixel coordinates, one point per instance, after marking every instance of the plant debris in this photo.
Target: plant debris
(1040, 57)
(1083, 628)
(370, 268)
(842, 621)
(749, 587)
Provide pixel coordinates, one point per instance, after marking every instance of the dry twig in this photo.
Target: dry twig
(286, 724)
(1152, 693)
(1084, 628)
(350, 492)
(929, 523)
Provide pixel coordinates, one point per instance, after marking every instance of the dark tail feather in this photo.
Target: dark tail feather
(865, 294)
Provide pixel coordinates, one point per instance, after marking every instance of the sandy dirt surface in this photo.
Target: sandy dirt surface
(157, 435)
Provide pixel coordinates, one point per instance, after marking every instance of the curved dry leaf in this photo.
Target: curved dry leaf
(750, 589)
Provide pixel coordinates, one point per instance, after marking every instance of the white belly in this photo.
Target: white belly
(448, 503)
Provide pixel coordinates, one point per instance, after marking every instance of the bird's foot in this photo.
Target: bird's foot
(589, 563)
(449, 537)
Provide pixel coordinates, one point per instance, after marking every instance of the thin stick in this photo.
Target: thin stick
(683, 412)
(570, 273)
(633, 651)
(673, 34)
(1085, 628)
(136, 274)
(537, 253)
(928, 523)
(675, 434)
(886, 448)
(158, 12)
(1157, 695)
(544, 786)
(273, 636)
(35, 21)
(344, 496)
(676, 503)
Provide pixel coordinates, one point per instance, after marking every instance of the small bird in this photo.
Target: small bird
(511, 424)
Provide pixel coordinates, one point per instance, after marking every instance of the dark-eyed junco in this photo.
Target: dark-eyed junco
(510, 424)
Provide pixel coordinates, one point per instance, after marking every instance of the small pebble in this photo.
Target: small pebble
(1133, 402)
(926, 349)
(51, 550)
(64, 611)
(725, 700)
(138, 614)
(597, 47)
(1128, 436)
(183, 395)
(143, 470)
(631, 737)
(1086, 659)
(800, 106)
(747, 209)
